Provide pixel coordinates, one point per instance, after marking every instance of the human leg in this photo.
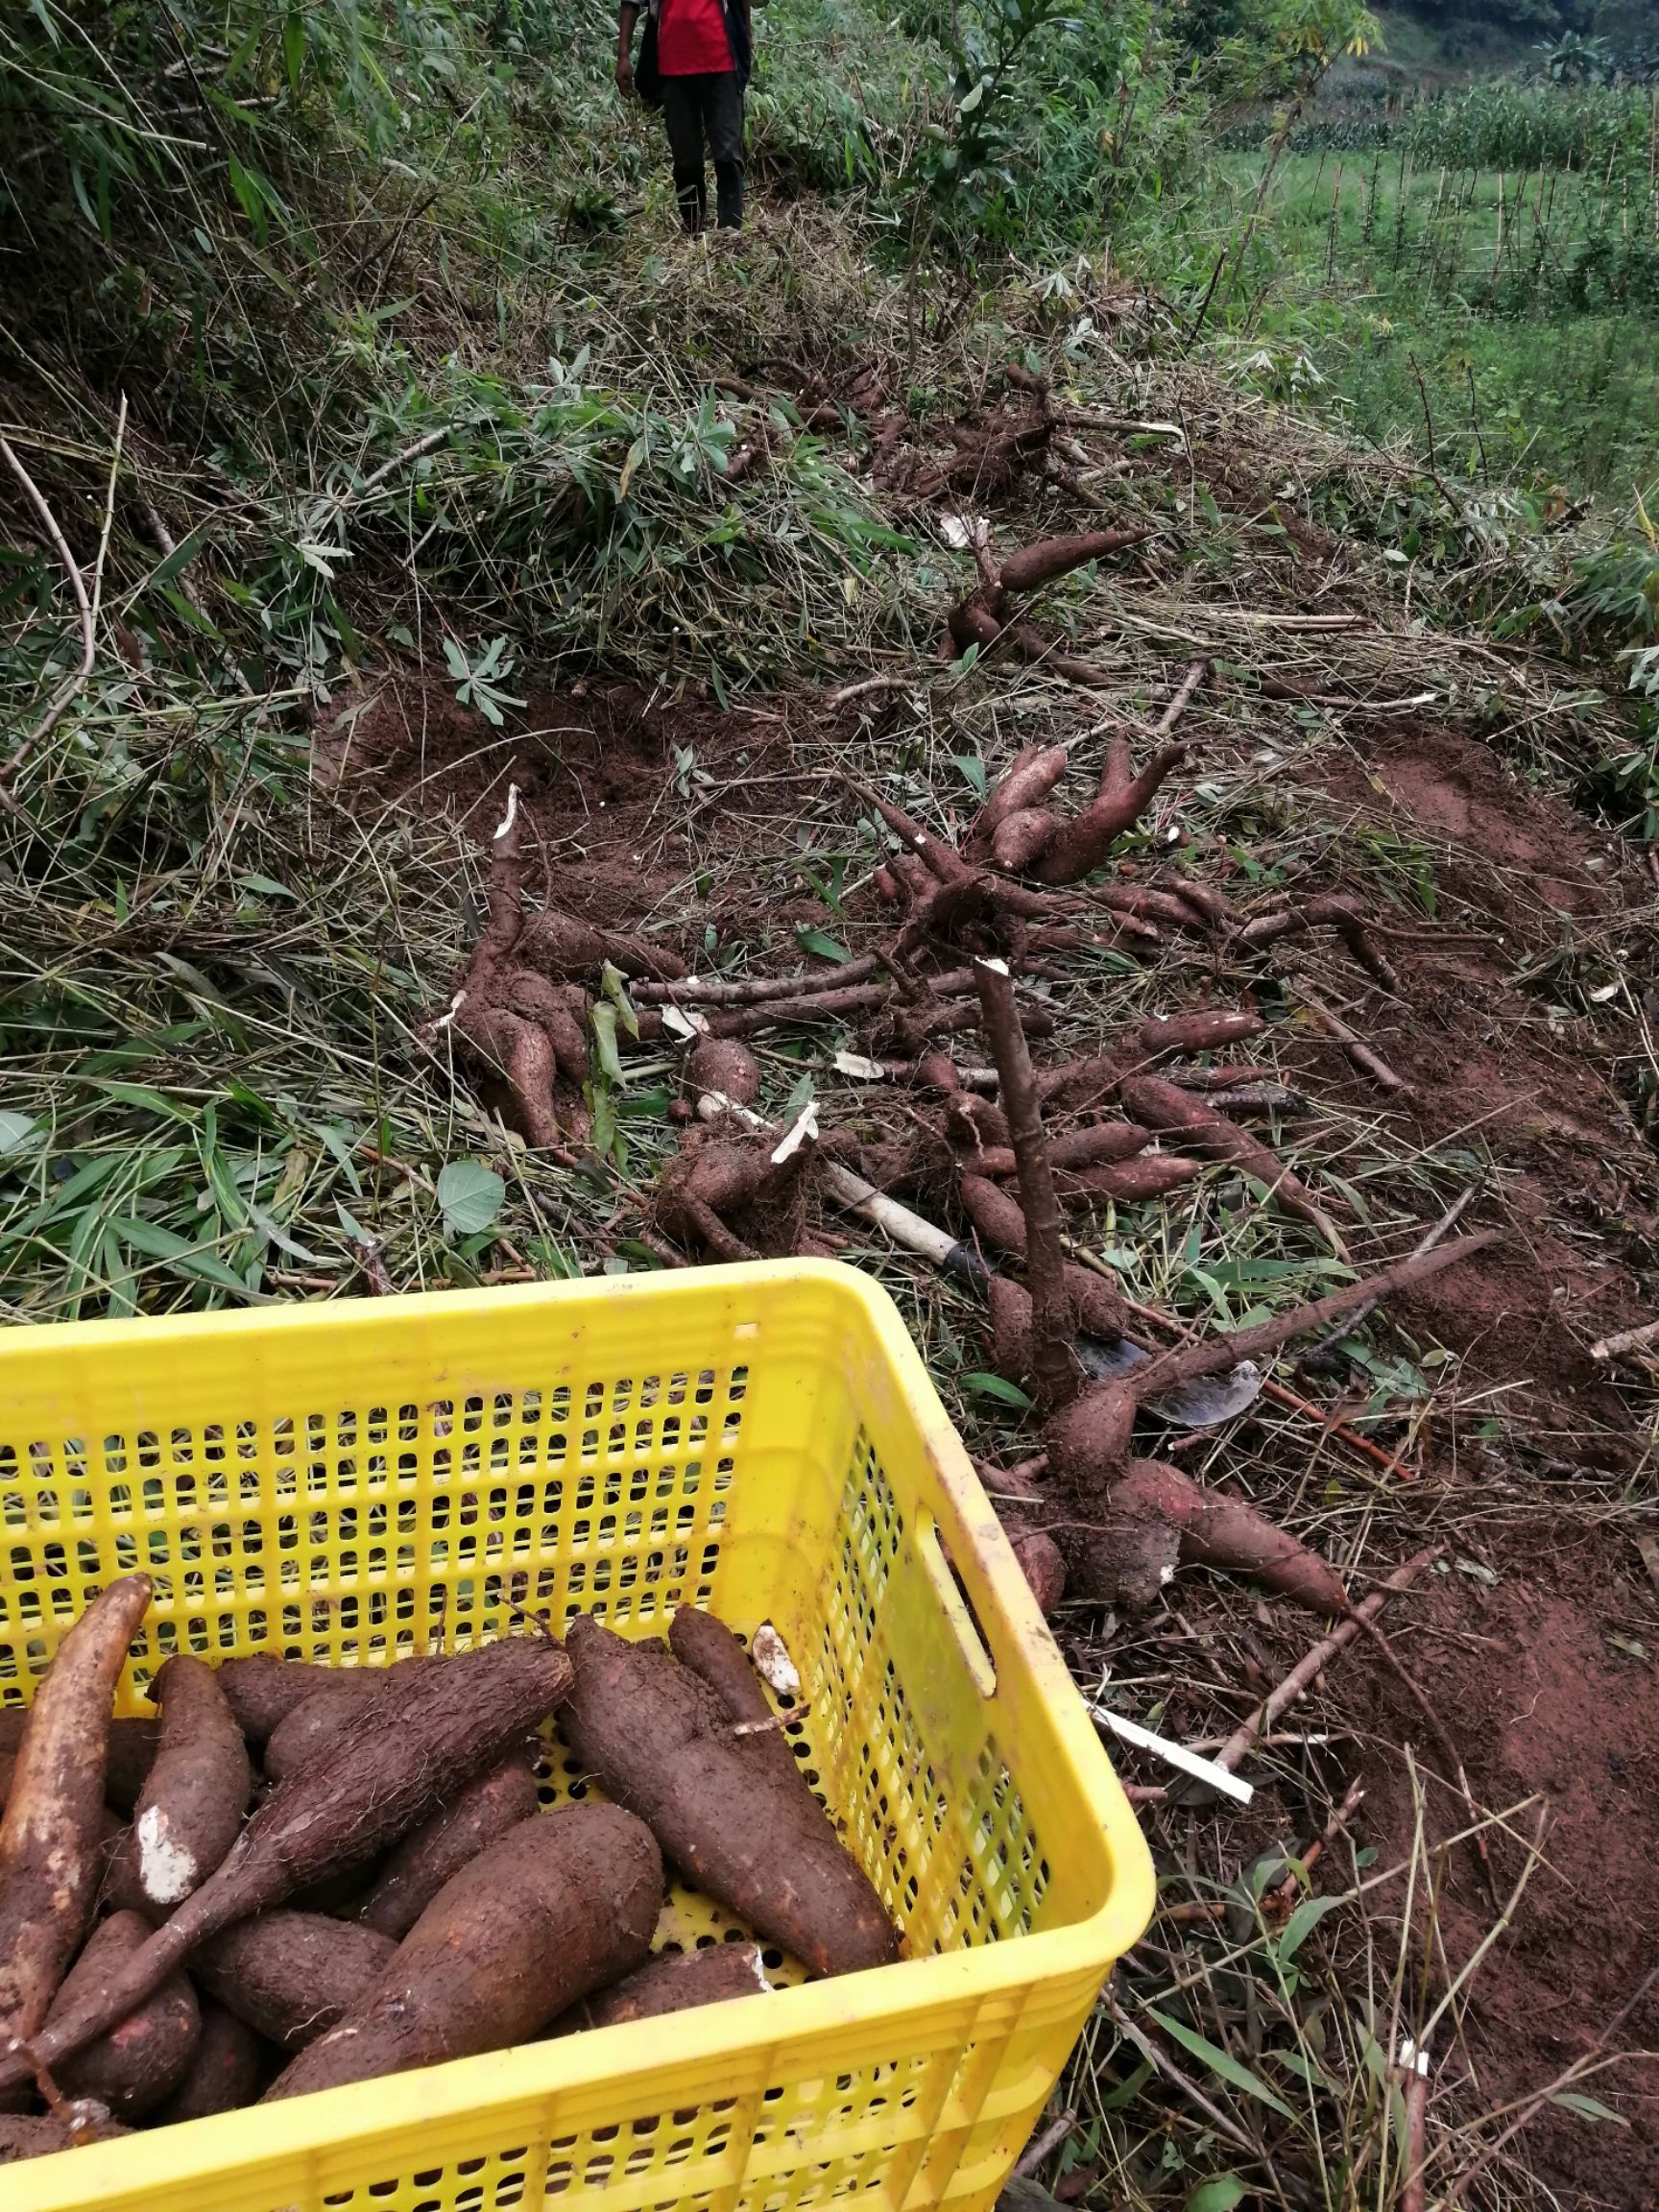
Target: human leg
(683, 116)
(723, 114)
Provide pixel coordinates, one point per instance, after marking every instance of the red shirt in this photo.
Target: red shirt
(691, 38)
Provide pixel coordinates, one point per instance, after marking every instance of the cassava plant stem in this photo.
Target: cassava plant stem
(1053, 1361)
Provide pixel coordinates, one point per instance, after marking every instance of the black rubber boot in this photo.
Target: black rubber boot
(728, 195)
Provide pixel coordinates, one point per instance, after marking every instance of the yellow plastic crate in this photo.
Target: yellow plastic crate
(343, 1483)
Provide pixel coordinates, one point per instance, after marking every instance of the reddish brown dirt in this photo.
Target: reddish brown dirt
(1530, 1097)
(1535, 1697)
(1541, 1704)
(1456, 792)
(598, 768)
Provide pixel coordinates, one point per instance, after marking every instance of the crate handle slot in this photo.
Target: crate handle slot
(958, 1606)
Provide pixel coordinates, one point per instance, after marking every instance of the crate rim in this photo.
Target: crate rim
(520, 2078)
(536, 2073)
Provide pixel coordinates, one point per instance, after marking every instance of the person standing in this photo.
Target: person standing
(694, 65)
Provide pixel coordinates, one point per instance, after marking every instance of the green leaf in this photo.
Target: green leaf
(337, 1138)
(15, 1131)
(971, 769)
(1305, 2070)
(1588, 2107)
(141, 1096)
(1219, 2195)
(820, 947)
(191, 614)
(170, 570)
(615, 985)
(184, 1258)
(1220, 2063)
(1302, 1924)
(470, 1196)
(604, 1018)
(294, 47)
(265, 886)
(985, 1385)
(799, 1099)
(283, 1242)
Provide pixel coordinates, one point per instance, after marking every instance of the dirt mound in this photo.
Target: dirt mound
(1494, 1070)
(628, 798)
(1520, 852)
(1539, 1682)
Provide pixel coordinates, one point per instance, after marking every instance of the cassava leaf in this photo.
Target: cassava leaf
(470, 1196)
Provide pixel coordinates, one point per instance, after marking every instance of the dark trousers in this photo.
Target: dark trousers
(711, 107)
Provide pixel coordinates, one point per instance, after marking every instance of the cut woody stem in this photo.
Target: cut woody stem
(1052, 1327)
(1186, 1363)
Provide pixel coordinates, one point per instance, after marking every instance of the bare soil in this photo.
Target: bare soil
(1545, 1708)
(632, 799)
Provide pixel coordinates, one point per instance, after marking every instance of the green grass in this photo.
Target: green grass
(1536, 339)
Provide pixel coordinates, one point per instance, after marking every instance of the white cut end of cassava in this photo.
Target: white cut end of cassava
(757, 1970)
(512, 814)
(166, 1871)
(1411, 2059)
(712, 1104)
(1174, 1754)
(960, 531)
(804, 1130)
(997, 967)
(773, 1663)
(856, 1064)
(852, 1192)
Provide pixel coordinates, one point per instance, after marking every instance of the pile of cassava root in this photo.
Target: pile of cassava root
(997, 1156)
(300, 1877)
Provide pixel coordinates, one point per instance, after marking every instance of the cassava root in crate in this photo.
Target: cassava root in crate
(662, 1742)
(401, 1760)
(51, 1837)
(563, 1903)
(190, 1808)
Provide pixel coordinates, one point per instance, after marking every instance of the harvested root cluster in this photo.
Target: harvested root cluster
(519, 1011)
(459, 1918)
(1005, 1157)
(988, 617)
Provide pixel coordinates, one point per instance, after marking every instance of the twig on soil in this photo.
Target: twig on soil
(1291, 1888)
(913, 682)
(1442, 1228)
(1625, 1340)
(1213, 1355)
(1368, 1062)
(1318, 1657)
(1043, 2146)
(751, 990)
(1183, 697)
